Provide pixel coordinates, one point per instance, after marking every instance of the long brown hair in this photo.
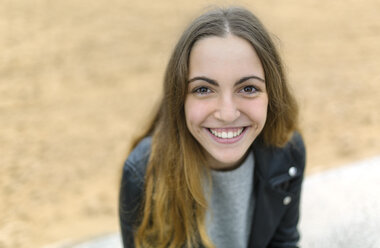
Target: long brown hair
(174, 206)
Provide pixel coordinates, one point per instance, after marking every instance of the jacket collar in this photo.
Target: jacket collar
(268, 201)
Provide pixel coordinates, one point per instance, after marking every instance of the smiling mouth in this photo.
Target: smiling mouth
(226, 133)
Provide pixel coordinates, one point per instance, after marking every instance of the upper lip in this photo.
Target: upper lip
(227, 127)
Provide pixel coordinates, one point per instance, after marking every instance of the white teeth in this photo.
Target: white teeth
(230, 135)
(226, 134)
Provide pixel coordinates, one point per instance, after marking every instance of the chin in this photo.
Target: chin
(226, 162)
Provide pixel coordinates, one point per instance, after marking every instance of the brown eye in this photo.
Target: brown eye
(249, 89)
(202, 90)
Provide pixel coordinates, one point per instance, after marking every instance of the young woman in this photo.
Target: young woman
(221, 165)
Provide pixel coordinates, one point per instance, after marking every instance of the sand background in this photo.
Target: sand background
(78, 79)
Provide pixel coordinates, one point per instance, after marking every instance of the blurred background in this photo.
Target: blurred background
(79, 78)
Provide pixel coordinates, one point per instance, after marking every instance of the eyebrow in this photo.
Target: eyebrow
(214, 82)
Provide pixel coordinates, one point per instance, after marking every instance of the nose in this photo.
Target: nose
(227, 110)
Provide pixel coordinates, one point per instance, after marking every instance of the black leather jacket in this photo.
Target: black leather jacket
(277, 187)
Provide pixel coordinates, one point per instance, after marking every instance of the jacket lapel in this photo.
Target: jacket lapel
(268, 201)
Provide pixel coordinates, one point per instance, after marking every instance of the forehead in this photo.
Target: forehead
(229, 43)
(228, 56)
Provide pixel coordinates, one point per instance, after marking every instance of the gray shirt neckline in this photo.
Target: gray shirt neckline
(231, 205)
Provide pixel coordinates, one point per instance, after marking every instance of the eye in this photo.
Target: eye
(249, 89)
(202, 90)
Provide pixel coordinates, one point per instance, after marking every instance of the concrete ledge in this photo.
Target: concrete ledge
(108, 241)
(105, 241)
(340, 209)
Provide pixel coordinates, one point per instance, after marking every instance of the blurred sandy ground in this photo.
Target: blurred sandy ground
(78, 77)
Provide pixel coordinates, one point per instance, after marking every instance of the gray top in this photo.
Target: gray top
(231, 206)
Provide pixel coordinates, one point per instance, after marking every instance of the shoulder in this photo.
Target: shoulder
(132, 181)
(294, 152)
(297, 150)
(138, 159)
(132, 187)
(277, 160)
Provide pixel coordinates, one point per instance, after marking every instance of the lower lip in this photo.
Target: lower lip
(228, 141)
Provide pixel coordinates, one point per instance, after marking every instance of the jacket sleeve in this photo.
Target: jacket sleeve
(287, 234)
(129, 199)
(131, 191)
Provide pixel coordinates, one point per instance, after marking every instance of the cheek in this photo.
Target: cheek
(191, 114)
(196, 111)
(263, 110)
(258, 111)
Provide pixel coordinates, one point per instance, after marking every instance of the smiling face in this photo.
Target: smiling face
(226, 104)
